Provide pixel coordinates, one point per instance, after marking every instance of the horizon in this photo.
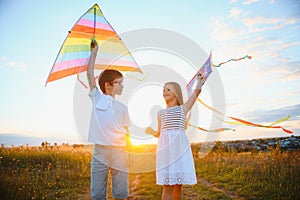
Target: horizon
(34, 141)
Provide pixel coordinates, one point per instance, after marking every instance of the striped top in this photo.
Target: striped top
(172, 118)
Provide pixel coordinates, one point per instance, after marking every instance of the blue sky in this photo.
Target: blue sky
(261, 90)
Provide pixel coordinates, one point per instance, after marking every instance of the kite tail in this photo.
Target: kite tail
(209, 107)
(212, 130)
(233, 59)
(247, 123)
(263, 126)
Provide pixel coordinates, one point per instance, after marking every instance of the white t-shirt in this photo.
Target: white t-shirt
(109, 118)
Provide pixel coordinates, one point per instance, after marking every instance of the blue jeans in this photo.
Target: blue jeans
(105, 158)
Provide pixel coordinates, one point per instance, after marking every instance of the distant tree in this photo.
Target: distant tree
(45, 145)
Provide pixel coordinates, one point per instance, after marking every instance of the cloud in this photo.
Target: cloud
(12, 64)
(233, 1)
(235, 13)
(288, 72)
(261, 23)
(259, 20)
(265, 55)
(221, 30)
(295, 93)
(16, 64)
(289, 44)
(248, 2)
(269, 116)
(259, 48)
(7, 63)
(237, 26)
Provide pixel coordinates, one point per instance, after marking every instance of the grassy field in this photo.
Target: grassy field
(63, 172)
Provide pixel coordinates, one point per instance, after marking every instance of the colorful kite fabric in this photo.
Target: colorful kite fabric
(74, 54)
(206, 71)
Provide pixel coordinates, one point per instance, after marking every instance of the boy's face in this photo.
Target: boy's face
(118, 86)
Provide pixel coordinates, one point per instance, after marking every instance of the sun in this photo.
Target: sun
(137, 142)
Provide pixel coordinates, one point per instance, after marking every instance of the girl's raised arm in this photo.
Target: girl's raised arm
(190, 102)
(91, 65)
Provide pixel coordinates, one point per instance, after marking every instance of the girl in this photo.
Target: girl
(174, 160)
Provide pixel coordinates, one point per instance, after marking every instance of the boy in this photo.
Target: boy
(108, 130)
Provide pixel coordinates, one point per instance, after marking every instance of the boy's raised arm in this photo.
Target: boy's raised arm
(91, 64)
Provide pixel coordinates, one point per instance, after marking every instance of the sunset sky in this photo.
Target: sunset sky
(261, 90)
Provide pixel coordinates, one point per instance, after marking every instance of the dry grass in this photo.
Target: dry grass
(64, 172)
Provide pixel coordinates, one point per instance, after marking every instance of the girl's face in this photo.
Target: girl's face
(168, 93)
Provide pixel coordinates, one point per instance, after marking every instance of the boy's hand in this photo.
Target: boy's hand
(94, 45)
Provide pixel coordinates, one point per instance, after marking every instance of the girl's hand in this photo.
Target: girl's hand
(200, 79)
(192, 99)
(150, 131)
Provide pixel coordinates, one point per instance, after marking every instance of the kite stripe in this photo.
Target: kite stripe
(99, 25)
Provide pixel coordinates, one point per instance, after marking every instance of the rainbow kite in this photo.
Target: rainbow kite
(73, 56)
(206, 70)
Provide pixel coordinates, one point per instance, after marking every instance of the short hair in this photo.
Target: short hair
(108, 75)
(177, 92)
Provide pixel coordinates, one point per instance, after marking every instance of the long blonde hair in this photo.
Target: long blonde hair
(177, 91)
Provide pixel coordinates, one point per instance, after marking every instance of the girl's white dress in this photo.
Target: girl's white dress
(174, 161)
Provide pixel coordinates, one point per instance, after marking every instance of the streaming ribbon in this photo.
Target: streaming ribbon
(233, 59)
(206, 70)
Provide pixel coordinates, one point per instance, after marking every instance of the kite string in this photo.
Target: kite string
(82, 83)
(138, 79)
(94, 21)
